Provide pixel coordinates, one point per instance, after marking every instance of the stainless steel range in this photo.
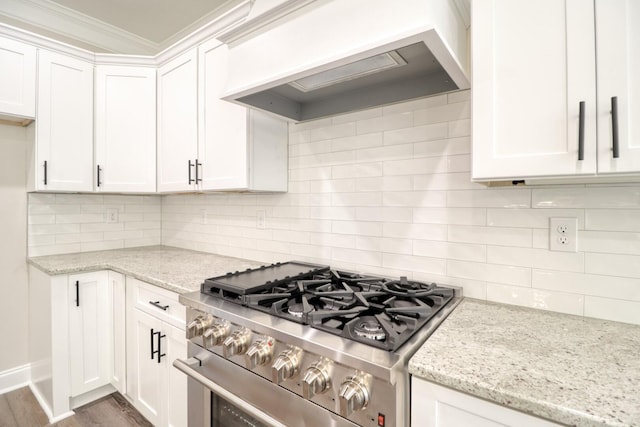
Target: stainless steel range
(298, 344)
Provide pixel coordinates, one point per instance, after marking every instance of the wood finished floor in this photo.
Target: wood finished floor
(19, 408)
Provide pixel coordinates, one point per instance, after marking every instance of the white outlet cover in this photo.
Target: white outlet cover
(561, 240)
(112, 215)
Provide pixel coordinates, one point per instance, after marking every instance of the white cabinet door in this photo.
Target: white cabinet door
(64, 127)
(618, 59)
(178, 123)
(125, 129)
(89, 331)
(176, 385)
(223, 125)
(436, 406)
(18, 82)
(533, 64)
(117, 341)
(146, 373)
(238, 148)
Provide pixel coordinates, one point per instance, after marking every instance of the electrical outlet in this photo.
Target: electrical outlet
(563, 234)
(261, 219)
(112, 215)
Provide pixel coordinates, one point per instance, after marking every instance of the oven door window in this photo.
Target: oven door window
(225, 414)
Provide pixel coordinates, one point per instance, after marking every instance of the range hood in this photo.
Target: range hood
(342, 56)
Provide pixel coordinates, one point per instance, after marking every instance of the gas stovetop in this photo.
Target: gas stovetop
(376, 311)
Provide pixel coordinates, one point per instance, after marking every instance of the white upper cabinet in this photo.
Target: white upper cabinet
(618, 65)
(125, 129)
(533, 66)
(18, 82)
(178, 123)
(238, 149)
(64, 126)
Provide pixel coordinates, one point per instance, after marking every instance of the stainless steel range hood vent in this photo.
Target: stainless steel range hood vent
(323, 63)
(354, 70)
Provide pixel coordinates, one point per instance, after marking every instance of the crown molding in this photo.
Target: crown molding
(248, 26)
(212, 29)
(41, 41)
(54, 17)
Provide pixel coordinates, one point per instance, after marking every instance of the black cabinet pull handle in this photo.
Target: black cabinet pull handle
(614, 127)
(98, 170)
(160, 306)
(45, 172)
(152, 333)
(77, 293)
(190, 166)
(197, 178)
(160, 353)
(581, 132)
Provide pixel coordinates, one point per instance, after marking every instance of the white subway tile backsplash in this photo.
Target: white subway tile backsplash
(490, 198)
(612, 264)
(612, 309)
(64, 223)
(415, 231)
(419, 264)
(537, 258)
(415, 198)
(484, 272)
(453, 216)
(442, 147)
(587, 197)
(388, 191)
(536, 298)
(612, 219)
(445, 181)
(416, 134)
(503, 236)
(613, 242)
(531, 218)
(399, 120)
(445, 113)
(587, 284)
(448, 250)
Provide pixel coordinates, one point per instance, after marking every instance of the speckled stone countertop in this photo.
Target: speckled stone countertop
(571, 370)
(179, 270)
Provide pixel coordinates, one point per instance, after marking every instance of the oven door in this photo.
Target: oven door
(224, 394)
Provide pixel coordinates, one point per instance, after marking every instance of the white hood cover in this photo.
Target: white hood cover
(333, 46)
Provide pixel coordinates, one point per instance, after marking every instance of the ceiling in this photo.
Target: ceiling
(114, 26)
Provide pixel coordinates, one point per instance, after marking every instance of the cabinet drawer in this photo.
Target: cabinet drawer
(158, 302)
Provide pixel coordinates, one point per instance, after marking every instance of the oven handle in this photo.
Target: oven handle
(186, 366)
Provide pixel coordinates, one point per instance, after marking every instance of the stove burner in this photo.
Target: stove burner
(296, 310)
(404, 287)
(368, 327)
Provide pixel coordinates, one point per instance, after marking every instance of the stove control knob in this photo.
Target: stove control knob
(286, 365)
(316, 379)
(216, 333)
(236, 343)
(354, 394)
(259, 353)
(196, 327)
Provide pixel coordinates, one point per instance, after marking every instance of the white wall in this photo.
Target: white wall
(13, 248)
(387, 191)
(66, 223)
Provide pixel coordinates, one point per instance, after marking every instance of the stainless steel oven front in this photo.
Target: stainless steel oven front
(223, 394)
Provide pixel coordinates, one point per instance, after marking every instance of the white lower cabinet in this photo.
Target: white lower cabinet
(76, 338)
(436, 406)
(155, 338)
(89, 326)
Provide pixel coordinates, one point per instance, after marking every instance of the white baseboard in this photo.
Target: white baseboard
(15, 378)
(45, 407)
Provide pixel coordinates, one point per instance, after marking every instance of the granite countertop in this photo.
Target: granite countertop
(571, 370)
(178, 270)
